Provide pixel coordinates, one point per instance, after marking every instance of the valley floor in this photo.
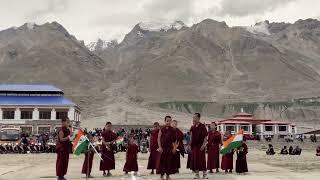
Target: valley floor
(262, 167)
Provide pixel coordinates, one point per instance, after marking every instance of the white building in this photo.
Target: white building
(35, 108)
(261, 127)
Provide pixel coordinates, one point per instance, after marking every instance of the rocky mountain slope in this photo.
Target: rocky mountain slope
(211, 61)
(49, 54)
(156, 64)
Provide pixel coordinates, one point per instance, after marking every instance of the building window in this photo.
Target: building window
(61, 115)
(230, 128)
(293, 130)
(44, 115)
(8, 115)
(245, 128)
(26, 114)
(282, 128)
(268, 128)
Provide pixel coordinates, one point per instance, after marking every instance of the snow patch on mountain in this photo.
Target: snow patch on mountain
(97, 45)
(261, 27)
(161, 26)
(30, 25)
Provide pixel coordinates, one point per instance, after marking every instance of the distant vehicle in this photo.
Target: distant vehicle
(249, 137)
(10, 135)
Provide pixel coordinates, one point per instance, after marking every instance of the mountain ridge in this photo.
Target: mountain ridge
(208, 61)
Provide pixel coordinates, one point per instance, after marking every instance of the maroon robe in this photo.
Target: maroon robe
(241, 162)
(189, 160)
(166, 165)
(179, 135)
(214, 141)
(131, 159)
(198, 157)
(154, 154)
(318, 152)
(63, 150)
(227, 159)
(87, 162)
(108, 162)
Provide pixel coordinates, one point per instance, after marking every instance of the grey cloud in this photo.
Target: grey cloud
(51, 6)
(249, 7)
(168, 9)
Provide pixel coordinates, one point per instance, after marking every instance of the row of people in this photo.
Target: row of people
(166, 147)
(23, 149)
(291, 151)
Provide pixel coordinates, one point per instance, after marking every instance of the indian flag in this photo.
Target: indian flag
(119, 140)
(232, 143)
(80, 143)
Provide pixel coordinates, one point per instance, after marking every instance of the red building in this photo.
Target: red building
(262, 127)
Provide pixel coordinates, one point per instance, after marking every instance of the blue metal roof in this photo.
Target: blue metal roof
(29, 87)
(36, 101)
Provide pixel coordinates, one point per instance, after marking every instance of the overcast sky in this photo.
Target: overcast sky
(112, 19)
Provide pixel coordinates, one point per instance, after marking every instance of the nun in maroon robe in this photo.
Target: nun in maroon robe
(107, 150)
(241, 162)
(166, 140)
(199, 135)
(214, 142)
(154, 154)
(87, 164)
(88, 158)
(227, 159)
(180, 149)
(131, 157)
(198, 157)
(63, 149)
(318, 151)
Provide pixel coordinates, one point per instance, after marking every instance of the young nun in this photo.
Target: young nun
(131, 157)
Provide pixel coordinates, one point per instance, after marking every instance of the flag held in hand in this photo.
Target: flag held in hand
(233, 142)
(80, 143)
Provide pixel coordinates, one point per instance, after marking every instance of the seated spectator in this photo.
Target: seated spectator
(284, 150)
(297, 150)
(318, 151)
(291, 150)
(270, 150)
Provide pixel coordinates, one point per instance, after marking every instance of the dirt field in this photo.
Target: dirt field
(261, 167)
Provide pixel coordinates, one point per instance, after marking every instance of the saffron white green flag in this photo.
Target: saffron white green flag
(80, 143)
(119, 140)
(233, 142)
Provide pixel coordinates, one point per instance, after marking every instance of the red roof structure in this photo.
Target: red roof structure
(246, 118)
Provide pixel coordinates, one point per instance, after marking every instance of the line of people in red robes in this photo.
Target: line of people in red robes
(166, 147)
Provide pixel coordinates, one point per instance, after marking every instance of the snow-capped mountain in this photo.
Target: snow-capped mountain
(261, 27)
(161, 26)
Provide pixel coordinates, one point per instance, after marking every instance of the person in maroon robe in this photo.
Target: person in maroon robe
(241, 162)
(63, 149)
(131, 157)
(318, 151)
(107, 150)
(227, 159)
(153, 147)
(87, 164)
(180, 149)
(199, 135)
(214, 142)
(168, 145)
